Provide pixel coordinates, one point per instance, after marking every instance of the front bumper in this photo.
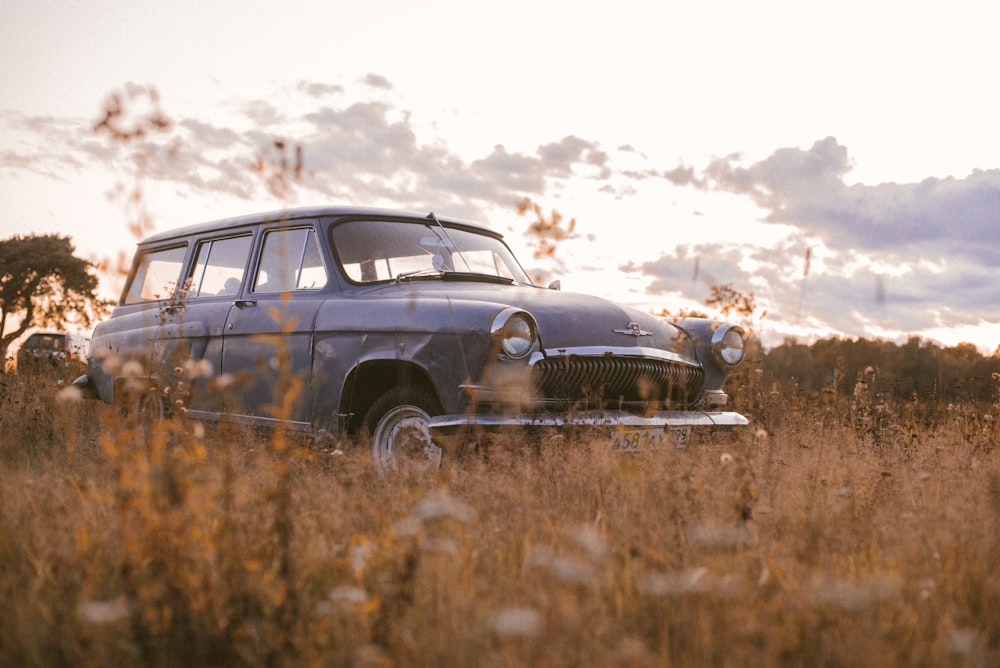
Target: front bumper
(451, 425)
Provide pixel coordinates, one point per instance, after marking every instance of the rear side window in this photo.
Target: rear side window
(156, 275)
(219, 267)
(290, 260)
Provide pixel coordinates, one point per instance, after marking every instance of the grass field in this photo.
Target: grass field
(847, 533)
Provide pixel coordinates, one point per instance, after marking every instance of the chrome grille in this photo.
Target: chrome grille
(610, 380)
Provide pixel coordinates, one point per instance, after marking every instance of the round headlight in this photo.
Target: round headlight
(515, 332)
(727, 344)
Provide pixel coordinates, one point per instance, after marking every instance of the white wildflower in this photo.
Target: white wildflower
(104, 612)
(70, 394)
(693, 581)
(198, 368)
(963, 641)
(714, 536)
(361, 550)
(564, 569)
(591, 541)
(342, 598)
(440, 504)
(132, 369)
(516, 621)
(854, 595)
(448, 546)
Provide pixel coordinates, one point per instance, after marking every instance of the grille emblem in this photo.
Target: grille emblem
(632, 329)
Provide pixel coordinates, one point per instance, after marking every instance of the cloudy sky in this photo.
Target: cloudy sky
(841, 162)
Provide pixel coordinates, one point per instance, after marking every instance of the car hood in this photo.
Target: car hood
(568, 322)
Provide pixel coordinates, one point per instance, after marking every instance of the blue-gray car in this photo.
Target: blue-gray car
(410, 329)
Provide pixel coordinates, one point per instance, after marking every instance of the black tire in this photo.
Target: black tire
(397, 424)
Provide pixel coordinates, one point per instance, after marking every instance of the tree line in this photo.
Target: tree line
(918, 369)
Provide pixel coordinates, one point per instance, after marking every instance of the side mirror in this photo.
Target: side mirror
(555, 285)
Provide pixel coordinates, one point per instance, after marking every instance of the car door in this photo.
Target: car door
(268, 343)
(212, 287)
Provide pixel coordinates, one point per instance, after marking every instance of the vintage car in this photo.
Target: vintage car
(410, 328)
(52, 348)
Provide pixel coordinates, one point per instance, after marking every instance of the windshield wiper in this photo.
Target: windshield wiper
(426, 271)
(476, 277)
(433, 216)
(473, 276)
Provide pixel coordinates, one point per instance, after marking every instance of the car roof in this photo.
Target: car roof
(298, 213)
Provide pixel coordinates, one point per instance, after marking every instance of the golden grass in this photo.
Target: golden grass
(819, 536)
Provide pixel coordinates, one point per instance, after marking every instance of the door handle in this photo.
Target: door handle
(240, 303)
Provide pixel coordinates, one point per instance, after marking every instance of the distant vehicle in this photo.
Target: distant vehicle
(412, 328)
(52, 348)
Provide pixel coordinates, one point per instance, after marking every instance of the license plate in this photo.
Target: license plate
(637, 440)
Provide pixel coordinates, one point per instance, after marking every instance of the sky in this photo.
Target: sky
(841, 161)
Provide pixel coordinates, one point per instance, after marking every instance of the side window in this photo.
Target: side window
(290, 260)
(156, 275)
(219, 267)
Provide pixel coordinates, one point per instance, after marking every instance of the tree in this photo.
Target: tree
(728, 299)
(43, 284)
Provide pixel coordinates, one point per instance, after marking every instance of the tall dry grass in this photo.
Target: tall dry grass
(850, 534)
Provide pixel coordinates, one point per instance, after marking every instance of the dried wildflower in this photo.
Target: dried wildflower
(591, 541)
(854, 595)
(407, 527)
(516, 622)
(440, 504)
(69, 395)
(693, 581)
(198, 369)
(360, 551)
(111, 363)
(633, 652)
(448, 546)
(342, 598)
(564, 569)
(132, 369)
(713, 536)
(104, 612)
(963, 641)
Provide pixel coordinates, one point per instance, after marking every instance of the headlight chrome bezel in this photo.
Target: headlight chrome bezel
(729, 345)
(514, 334)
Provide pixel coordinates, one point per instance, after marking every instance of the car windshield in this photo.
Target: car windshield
(381, 250)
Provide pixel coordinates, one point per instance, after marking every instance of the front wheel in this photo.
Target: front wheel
(397, 422)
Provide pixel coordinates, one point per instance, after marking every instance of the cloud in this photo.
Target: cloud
(318, 89)
(363, 152)
(378, 81)
(949, 217)
(561, 157)
(897, 257)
